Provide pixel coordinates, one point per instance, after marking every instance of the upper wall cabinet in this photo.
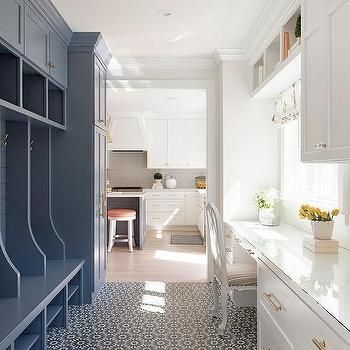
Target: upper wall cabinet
(58, 59)
(325, 76)
(11, 22)
(36, 40)
(44, 47)
(176, 144)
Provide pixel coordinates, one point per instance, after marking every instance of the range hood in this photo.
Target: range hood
(127, 135)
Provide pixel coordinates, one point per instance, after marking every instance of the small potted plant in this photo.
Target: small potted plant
(266, 201)
(322, 221)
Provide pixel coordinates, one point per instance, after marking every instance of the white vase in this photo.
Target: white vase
(269, 216)
(170, 182)
(322, 229)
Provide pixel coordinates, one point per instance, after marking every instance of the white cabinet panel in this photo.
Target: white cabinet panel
(196, 144)
(191, 209)
(340, 78)
(177, 144)
(157, 140)
(315, 93)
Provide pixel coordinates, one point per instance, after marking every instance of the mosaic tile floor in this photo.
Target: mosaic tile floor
(153, 315)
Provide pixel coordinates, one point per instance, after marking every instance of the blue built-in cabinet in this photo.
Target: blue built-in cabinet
(41, 271)
(79, 161)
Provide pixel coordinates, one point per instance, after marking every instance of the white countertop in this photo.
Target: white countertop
(126, 194)
(176, 190)
(324, 277)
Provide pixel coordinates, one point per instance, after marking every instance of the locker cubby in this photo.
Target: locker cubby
(56, 311)
(9, 82)
(56, 103)
(42, 223)
(34, 90)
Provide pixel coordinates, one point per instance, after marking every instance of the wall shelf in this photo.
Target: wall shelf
(280, 61)
(56, 103)
(285, 74)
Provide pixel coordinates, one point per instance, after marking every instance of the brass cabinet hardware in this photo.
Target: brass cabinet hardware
(52, 66)
(321, 345)
(272, 300)
(263, 348)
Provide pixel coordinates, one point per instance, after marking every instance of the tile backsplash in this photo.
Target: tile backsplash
(130, 169)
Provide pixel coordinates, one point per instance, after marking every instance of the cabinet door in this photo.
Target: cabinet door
(100, 95)
(100, 209)
(157, 144)
(339, 88)
(191, 209)
(196, 144)
(36, 40)
(58, 59)
(177, 144)
(315, 78)
(11, 22)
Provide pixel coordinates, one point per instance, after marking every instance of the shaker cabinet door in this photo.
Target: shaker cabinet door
(58, 59)
(100, 95)
(157, 147)
(196, 144)
(36, 40)
(11, 22)
(177, 144)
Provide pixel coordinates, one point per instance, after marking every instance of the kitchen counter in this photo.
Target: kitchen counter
(323, 277)
(126, 194)
(177, 190)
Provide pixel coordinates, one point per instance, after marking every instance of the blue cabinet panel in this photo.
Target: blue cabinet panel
(36, 40)
(58, 59)
(11, 22)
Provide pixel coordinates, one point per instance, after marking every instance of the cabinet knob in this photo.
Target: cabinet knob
(319, 146)
(52, 66)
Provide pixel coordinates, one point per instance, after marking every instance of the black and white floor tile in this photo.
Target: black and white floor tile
(153, 315)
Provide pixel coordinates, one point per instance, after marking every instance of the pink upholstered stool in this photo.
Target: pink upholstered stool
(115, 215)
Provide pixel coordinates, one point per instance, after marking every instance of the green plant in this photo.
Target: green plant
(266, 198)
(158, 176)
(298, 27)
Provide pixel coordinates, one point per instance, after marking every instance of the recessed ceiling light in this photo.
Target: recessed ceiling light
(165, 13)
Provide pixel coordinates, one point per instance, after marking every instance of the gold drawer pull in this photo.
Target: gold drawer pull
(263, 348)
(270, 297)
(321, 345)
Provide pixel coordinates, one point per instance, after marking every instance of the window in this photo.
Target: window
(305, 182)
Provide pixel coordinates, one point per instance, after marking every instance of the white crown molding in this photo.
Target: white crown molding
(145, 63)
(221, 55)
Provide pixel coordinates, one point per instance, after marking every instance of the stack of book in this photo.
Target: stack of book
(321, 246)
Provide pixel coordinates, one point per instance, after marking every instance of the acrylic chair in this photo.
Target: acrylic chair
(232, 277)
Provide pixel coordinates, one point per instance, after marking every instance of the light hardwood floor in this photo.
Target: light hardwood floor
(159, 261)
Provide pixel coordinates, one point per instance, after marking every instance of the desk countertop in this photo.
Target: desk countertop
(324, 277)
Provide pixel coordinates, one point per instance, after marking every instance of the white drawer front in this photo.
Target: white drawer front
(163, 219)
(165, 195)
(270, 338)
(174, 206)
(278, 301)
(315, 334)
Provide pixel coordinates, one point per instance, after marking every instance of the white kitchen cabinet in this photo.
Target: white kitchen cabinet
(196, 144)
(157, 139)
(325, 76)
(166, 208)
(191, 209)
(176, 144)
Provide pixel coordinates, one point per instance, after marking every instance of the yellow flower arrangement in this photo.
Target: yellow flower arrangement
(316, 214)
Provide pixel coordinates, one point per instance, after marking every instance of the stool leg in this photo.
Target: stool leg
(130, 235)
(112, 224)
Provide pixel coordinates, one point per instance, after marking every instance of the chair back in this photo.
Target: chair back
(216, 238)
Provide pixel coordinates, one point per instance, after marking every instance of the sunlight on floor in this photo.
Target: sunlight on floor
(152, 308)
(158, 287)
(180, 257)
(153, 300)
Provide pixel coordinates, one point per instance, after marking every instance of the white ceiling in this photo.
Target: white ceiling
(133, 28)
(156, 103)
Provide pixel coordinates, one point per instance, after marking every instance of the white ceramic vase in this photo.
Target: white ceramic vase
(268, 216)
(170, 182)
(322, 229)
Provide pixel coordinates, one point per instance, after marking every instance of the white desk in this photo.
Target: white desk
(320, 281)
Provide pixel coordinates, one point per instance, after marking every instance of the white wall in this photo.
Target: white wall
(250, 143)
